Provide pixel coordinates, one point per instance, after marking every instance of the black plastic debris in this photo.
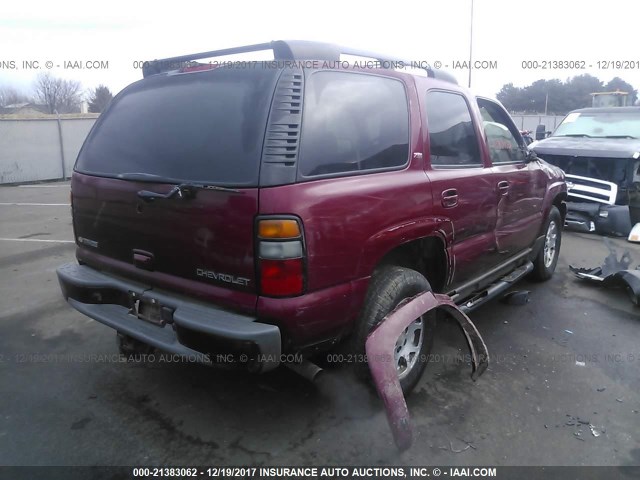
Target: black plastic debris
(519, 297)
(615, 273)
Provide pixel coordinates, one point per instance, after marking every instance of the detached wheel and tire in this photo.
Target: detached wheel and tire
(391, 285)
(545, 262)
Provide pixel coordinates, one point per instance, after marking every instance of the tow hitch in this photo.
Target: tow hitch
(380, 345)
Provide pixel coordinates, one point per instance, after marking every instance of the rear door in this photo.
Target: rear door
(520, 185)
(203, 131)
(462, 183)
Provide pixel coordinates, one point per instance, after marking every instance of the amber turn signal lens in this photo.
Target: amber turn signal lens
(278, 229)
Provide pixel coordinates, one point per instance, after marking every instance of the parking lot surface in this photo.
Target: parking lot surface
(562, 387)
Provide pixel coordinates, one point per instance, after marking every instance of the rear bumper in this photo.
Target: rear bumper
(109, 300)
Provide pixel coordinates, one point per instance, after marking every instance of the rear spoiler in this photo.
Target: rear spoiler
(296, 50)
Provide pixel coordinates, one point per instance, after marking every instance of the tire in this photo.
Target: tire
(132, 349)
(634, 215)
(545, 262)
(389, 286)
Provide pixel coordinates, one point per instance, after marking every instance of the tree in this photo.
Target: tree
(557, 103)
(541, 95)
(557, 97)
(617, 83)
(537, 93)
(57, 94)
(99, 99)
(10, 96)
(579, 89)
(512, 98)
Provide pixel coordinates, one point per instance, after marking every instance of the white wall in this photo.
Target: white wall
(30, 149)
(530, 122)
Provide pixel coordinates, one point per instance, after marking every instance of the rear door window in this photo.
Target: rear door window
(452, 139)
(205, 127)
(353, 123)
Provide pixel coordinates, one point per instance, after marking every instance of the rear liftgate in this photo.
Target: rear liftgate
(380, 346)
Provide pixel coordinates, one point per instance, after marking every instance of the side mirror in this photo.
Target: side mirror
(531, 156)
(541, 132)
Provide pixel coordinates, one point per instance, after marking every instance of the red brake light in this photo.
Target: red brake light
(281, 278)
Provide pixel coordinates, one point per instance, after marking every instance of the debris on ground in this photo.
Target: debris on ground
(518, 297)
(594, 432)
(578, 423)
(614, 272)
(467, 447)
(450, 448)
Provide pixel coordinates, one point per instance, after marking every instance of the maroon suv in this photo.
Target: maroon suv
(253, 209)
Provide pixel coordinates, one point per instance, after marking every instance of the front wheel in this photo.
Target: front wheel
(545, 262)
(391, 285)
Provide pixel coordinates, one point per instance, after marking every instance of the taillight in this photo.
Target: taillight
(278, 229)
(280, 257)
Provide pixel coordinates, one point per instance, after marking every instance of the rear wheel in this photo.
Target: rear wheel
(391, 285)
(545, 262)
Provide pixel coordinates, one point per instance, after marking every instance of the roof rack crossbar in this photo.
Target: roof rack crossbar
(285, 50)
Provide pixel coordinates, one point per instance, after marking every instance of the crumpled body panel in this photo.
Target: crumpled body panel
(380, 356)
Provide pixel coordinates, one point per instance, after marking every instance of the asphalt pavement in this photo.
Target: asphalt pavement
(562, 388)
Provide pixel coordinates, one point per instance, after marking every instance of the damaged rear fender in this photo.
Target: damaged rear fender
(380, 356)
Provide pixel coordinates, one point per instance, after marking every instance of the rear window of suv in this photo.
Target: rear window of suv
(353, 122)
(205, 127)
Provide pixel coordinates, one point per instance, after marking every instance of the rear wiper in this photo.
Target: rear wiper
(184, 191)
(619, 136)
(145, 177)
(575, 135)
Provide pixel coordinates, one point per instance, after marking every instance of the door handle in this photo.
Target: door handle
(450, 198)
(142, 259)
(503, 187)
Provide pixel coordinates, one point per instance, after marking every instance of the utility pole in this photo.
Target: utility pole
(470, 43)
(546, 103)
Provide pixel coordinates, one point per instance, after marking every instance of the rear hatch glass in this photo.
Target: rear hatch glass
(206, 127)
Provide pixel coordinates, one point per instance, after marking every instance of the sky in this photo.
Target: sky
(120, 35)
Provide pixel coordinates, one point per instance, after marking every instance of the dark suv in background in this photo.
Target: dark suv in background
(599, 151)
(261, 208)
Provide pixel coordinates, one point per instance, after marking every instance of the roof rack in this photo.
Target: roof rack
(293, 50)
